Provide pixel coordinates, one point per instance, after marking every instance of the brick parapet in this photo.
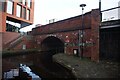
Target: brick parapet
(73, 23)
(95, 23)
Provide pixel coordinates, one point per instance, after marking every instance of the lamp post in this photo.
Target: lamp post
(100, 10)
(100, 5)
(82, 35)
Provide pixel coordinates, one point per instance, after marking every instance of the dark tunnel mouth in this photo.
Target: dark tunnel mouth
(53, 44)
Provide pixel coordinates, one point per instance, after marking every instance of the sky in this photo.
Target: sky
(46, 10)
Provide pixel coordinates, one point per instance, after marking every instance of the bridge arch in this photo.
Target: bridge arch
(53, 44)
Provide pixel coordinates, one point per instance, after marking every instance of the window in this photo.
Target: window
(28, 15)
(23, 1)
(29, 3)
(24, 13)
(18, 11)
(20, 1)
(9, 7)
(12, 26)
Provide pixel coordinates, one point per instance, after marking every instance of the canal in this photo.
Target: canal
(45, 67)
(48, 69)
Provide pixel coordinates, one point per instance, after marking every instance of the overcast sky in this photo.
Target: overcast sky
(46, 10)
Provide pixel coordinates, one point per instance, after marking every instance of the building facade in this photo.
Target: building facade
(16, 14)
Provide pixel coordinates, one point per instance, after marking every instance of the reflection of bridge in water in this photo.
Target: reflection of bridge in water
(50, 68)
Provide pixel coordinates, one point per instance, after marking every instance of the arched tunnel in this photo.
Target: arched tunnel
(47, 67)
(53, 44)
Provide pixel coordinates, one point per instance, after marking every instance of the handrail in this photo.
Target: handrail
(7, 44)
(12, 44)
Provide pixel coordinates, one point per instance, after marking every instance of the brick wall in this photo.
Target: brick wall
(2, 21)
(8, 37)
(95, 22)
(15, 41)
(0, 41)
(69, 27)
(67, 24)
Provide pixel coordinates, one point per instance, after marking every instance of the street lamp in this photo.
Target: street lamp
(82, 35)
(100, 10)
(100, 5)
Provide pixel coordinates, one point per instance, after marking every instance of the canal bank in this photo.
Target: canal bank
(47, 69)
(84, 68)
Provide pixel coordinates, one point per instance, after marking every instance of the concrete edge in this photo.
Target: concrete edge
(66, 66)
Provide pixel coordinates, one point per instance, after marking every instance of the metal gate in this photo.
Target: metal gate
(110, 34)
(110, 43)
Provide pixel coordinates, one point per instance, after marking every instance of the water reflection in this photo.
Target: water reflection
(23, 72)
(42, 65)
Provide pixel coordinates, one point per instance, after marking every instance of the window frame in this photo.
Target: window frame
(28, 15)
(24, 12)
(17, 10)
(24, 2)
(12, 7)
(29, 3)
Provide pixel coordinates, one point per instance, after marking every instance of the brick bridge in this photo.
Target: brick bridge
(62, 36)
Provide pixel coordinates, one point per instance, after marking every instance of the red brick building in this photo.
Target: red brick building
(16, 14)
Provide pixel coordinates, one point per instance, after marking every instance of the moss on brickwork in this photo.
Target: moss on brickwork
(19, 52)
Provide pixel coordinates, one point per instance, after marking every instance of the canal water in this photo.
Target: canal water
(45, 67)
(48, 69)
